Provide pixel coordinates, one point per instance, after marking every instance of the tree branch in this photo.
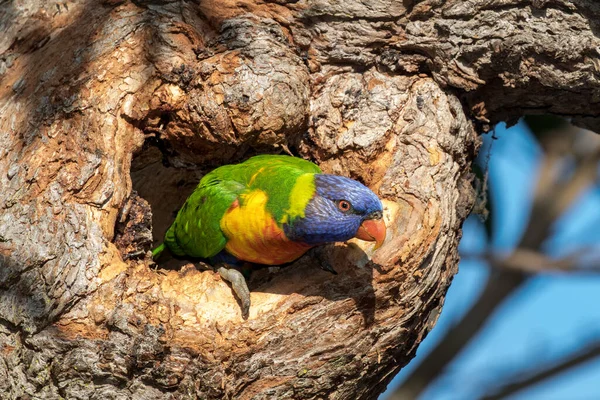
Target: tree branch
(500, 285)
(535, 376)
(533, 262)
(552, 198)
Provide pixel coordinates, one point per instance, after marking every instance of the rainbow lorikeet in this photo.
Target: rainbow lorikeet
(270, 210)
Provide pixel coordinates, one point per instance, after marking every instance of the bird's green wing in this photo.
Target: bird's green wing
(196, 231)
(287, 181)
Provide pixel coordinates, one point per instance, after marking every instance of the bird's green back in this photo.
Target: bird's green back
(287, 181)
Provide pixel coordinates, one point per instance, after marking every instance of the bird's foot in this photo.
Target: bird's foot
(238, 284)
(325, 266)
(323, 263)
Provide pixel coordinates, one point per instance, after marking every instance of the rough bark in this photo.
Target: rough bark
(111, 111)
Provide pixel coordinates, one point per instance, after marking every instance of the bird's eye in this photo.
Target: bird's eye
(344, 205)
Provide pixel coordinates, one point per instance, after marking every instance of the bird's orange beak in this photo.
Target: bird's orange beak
(372, 230)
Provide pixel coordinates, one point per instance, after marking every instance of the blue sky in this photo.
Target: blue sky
(549, 317)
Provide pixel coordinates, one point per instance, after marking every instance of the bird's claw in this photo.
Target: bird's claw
(239, 286)
(325, 266)
(323, 263)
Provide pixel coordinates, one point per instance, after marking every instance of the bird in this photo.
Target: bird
(270, 210)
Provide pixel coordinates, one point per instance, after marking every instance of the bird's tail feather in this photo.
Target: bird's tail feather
(157, 251)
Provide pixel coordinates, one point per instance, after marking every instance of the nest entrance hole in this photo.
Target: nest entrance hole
(159, 190)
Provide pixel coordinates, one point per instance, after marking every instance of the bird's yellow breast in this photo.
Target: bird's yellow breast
(253, 235)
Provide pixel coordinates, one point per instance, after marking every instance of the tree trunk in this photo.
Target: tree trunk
(111, 111)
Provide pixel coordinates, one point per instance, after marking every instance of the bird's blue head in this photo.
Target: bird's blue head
(340, 209)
